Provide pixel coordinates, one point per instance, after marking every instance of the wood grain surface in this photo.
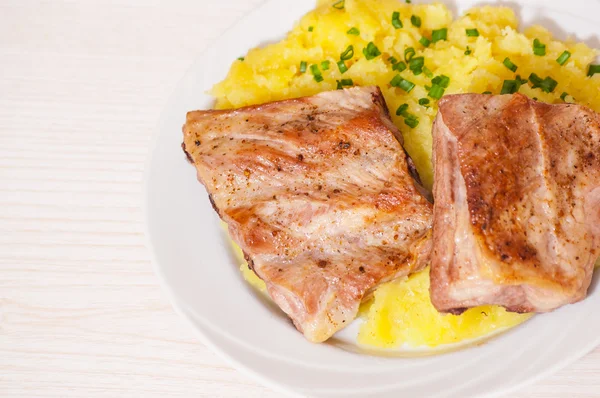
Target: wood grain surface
(82, 84)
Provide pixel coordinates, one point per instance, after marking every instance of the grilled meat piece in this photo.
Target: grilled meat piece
(517, 203)
(318, 193)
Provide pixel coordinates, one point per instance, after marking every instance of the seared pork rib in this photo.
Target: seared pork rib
(517, 203)
(318, 194)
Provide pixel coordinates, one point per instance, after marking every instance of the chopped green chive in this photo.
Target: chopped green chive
(404, 84)
(486, 92)
(396, 81)
(564, 57)
(325, 65)
(396, 22)
(400, 66)
(427, 72)
(411, 121)
(563, 95)
(415, 21)
(593, 69)
(314, 69)
(311, 28)
(523, 81)
(339, 5)
(416, 65)
(508, 63)
(436, 91)
(424, 101)
(472, 32)
(539, 48)
(353, 31)
(510, 86)
(547, 85)
(302, 66)
(441, 80)
(348, 53)
(468, 51)
(402, 110)
(409, 53)
(425, 42)
(342, 67)
(241, 59)
(408, 1)
(439, 34)
(535, 79)
(344, 83)
(392, 60)
(371, 51)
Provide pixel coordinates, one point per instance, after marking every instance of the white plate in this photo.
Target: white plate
(192, 257)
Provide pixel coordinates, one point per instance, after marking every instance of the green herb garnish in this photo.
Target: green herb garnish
(563, 58)
(593, 69)
(472, 32)
(344, 83)
(508, 63)
(348, 53)
(400, 66)
(539, 48)
(415, 21)
(314, 69)
(468, 51)
(325, 65)
(409, 53)
(411, 121)
(404, 84)
(401, 109)
(339, 5)
(425, 42)
(311, 28)
(436, 91)
(424, 101)
(353, 31)
(371, 51)
(302, 66)
(510, 86)
(439, 34)
(396, 22)
(547, 84)
(342, 67)
(416, 65)
(441, 80)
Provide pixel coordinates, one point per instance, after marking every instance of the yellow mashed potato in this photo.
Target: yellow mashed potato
(476, 62)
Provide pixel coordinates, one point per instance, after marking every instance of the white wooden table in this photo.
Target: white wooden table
(82, 84)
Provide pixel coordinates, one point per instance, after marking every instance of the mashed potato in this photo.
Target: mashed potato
(477, 52)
